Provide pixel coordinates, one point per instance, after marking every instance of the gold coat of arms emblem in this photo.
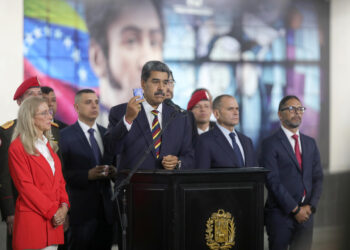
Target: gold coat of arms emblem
(220, 232)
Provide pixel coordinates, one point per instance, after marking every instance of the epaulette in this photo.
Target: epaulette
(8, 124)
(55, 124)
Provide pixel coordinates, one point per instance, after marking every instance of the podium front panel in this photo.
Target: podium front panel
(186, 210)
(149, 217)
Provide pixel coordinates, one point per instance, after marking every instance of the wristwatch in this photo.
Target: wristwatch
(178, 165)
(296, 211)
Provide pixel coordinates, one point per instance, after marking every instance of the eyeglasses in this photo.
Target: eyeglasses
(293, 109)
(171, 83)
(46, 113)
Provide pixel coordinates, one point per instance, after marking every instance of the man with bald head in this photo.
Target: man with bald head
(8, 193)
(223, 146)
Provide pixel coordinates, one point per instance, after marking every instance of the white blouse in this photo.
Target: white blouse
(44, 150)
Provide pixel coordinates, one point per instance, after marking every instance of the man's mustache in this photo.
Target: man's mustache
(159, 92)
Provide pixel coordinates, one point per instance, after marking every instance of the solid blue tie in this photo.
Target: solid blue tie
(237, 151)
(95, 147)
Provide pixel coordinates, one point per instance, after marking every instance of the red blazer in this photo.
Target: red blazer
(40, 194)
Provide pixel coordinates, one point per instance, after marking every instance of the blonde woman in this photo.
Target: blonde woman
(35, 168)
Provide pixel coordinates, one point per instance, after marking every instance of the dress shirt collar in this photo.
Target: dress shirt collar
(41, 141)
(148, 108)
(289, 133)
(225, 131)
(202, 131)
(86, 127)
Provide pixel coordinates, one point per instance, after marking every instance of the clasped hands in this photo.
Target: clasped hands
(60, 216)
(101, 172)
(304, 214)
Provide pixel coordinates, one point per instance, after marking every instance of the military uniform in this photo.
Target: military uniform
(8, 192)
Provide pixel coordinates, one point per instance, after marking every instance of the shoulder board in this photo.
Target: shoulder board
(55, 124)
(8, 124)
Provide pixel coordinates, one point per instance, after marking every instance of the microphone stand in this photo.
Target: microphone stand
(126, 181)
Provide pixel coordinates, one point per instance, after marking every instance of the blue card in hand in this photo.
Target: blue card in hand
(138, 92)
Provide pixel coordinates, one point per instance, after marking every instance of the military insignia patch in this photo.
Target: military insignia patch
(220, 233)
(8, 124)
(55, 124)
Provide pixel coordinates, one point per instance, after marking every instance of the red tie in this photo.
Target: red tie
(297, 151)
(298, 155)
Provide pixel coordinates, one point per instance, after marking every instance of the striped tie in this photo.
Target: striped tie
(157, 140)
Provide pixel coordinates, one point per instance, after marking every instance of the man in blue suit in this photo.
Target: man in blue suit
(136, 125)
(294, 182)
(223, 146)
(92, 212)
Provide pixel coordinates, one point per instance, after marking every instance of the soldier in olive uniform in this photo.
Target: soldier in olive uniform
(8, 193)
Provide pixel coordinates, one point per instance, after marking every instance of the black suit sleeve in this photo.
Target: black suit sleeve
(115, 133)
(7, 190)
(186, 155)
(317, 177)
(74, 176)
(202, 154)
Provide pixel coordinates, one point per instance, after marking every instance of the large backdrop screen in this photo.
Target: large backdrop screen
(256, 50)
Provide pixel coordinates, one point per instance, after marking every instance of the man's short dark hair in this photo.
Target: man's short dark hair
(217, 101)
(81, 92)
(153, 66)
(171, 75)
(285, 100)
(99, 14)
(46, 90)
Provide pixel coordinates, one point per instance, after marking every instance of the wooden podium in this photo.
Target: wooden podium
(195, 209)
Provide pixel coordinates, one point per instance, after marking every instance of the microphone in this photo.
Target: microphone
(170, 103)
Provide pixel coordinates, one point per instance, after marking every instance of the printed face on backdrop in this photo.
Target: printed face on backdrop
(133, 38)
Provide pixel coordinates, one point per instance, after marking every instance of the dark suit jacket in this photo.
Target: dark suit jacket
(213, 150)
(61, 125)
(285, 181)
(130, 145)
(88, 198)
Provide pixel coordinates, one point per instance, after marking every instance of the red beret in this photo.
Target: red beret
(197, 97)
(29, 83)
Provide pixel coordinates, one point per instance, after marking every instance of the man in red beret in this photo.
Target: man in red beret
(200, 106)
(8, 193)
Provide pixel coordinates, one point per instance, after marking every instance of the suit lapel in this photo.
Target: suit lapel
(286, 145)
(57, 164)
(165, 136)
(81, 137)
(142, 122)
(223, 143)
(43, 164)
(304, 153)
(244, 146)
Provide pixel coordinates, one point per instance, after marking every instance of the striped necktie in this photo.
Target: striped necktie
(157, 140)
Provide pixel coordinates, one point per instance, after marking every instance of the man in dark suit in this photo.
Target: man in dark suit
(294, 182)
(223, 146)
(50, 97)
(88, 180)
(8, 193)
(136, 125)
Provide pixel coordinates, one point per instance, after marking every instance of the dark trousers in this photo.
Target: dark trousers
(8, 240)
(284, 231)
(91, 235)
